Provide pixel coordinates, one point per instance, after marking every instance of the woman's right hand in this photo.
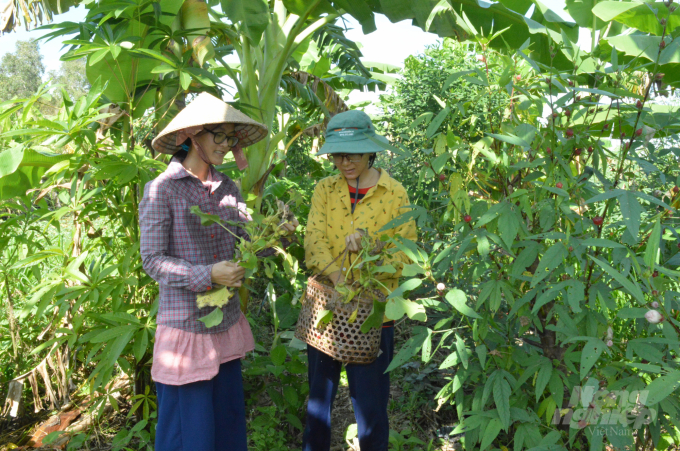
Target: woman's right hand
(336, 277)
(228, 274)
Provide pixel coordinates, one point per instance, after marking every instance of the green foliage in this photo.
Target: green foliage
(21, 71)
(72, 77)
(82, 276)
(548, 219)
(278, 374)
(435, 95)
(568, 232)
(404, 441)
(142, 438)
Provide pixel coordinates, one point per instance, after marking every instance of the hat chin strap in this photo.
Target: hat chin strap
(237, 151)
(239, 157)
(201, 152)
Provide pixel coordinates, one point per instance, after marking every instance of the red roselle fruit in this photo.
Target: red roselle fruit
(442, 177)
(467, 218)
(598, 220)
(559, 185)
(548, 150)
(518, 77)
(655, 274)
(571, 83)
(655, 292)
(605, 127)
(639, 104)
(623, 135)
(569, 133)
(571, 248)
(676, 189)
(662, 45)
(555, 115)
(577, 151)
(590, 149)
(567, 113)
(638, 132)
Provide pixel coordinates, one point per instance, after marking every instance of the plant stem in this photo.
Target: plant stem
(14, 334)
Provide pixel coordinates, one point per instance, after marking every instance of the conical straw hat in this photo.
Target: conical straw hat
(208, 109)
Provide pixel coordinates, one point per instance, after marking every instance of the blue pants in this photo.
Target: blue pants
(205, 415)
(369, 388)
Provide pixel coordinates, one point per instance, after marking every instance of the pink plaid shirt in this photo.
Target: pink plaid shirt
(178, 252)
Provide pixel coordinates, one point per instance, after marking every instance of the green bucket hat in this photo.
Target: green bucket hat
(352, 132)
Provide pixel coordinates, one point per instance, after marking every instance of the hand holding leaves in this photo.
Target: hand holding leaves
(229, 274)
(265, 232)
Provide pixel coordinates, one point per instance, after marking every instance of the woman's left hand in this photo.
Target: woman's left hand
(353, 241)
(290, 226)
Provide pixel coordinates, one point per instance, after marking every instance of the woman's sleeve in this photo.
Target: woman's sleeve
(155, 221)
(406, 230)
(317, 246)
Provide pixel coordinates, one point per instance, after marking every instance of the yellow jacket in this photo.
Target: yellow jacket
(331, 221)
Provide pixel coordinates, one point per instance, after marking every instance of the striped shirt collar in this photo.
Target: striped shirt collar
(384, 180)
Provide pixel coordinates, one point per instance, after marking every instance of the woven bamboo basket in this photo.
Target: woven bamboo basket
(339, 339)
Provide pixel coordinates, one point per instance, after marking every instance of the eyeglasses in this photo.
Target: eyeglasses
(351, 157)
(220, 137)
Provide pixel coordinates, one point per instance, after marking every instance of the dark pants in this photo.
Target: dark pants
(205, 415)
(369, 388)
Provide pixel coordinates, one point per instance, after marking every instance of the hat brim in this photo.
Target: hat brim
(166, 143)
(207, 109)
(372, 144)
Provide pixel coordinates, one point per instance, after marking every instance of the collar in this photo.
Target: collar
(176, 171)
(384, 179)
(340, 186)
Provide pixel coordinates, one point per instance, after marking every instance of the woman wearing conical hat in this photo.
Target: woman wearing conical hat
(197, 370)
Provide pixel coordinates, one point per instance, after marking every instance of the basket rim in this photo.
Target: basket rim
(361, 296)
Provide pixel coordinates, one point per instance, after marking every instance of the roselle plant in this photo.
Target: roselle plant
(265, 232)
(364, 270)
(557, 325)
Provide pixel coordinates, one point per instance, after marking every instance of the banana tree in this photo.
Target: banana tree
(151, 54)
(154, 53)
(267, 34)
(33, 12)
(268, 37)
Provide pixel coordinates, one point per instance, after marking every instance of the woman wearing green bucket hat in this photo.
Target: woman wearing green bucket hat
(361, 199)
